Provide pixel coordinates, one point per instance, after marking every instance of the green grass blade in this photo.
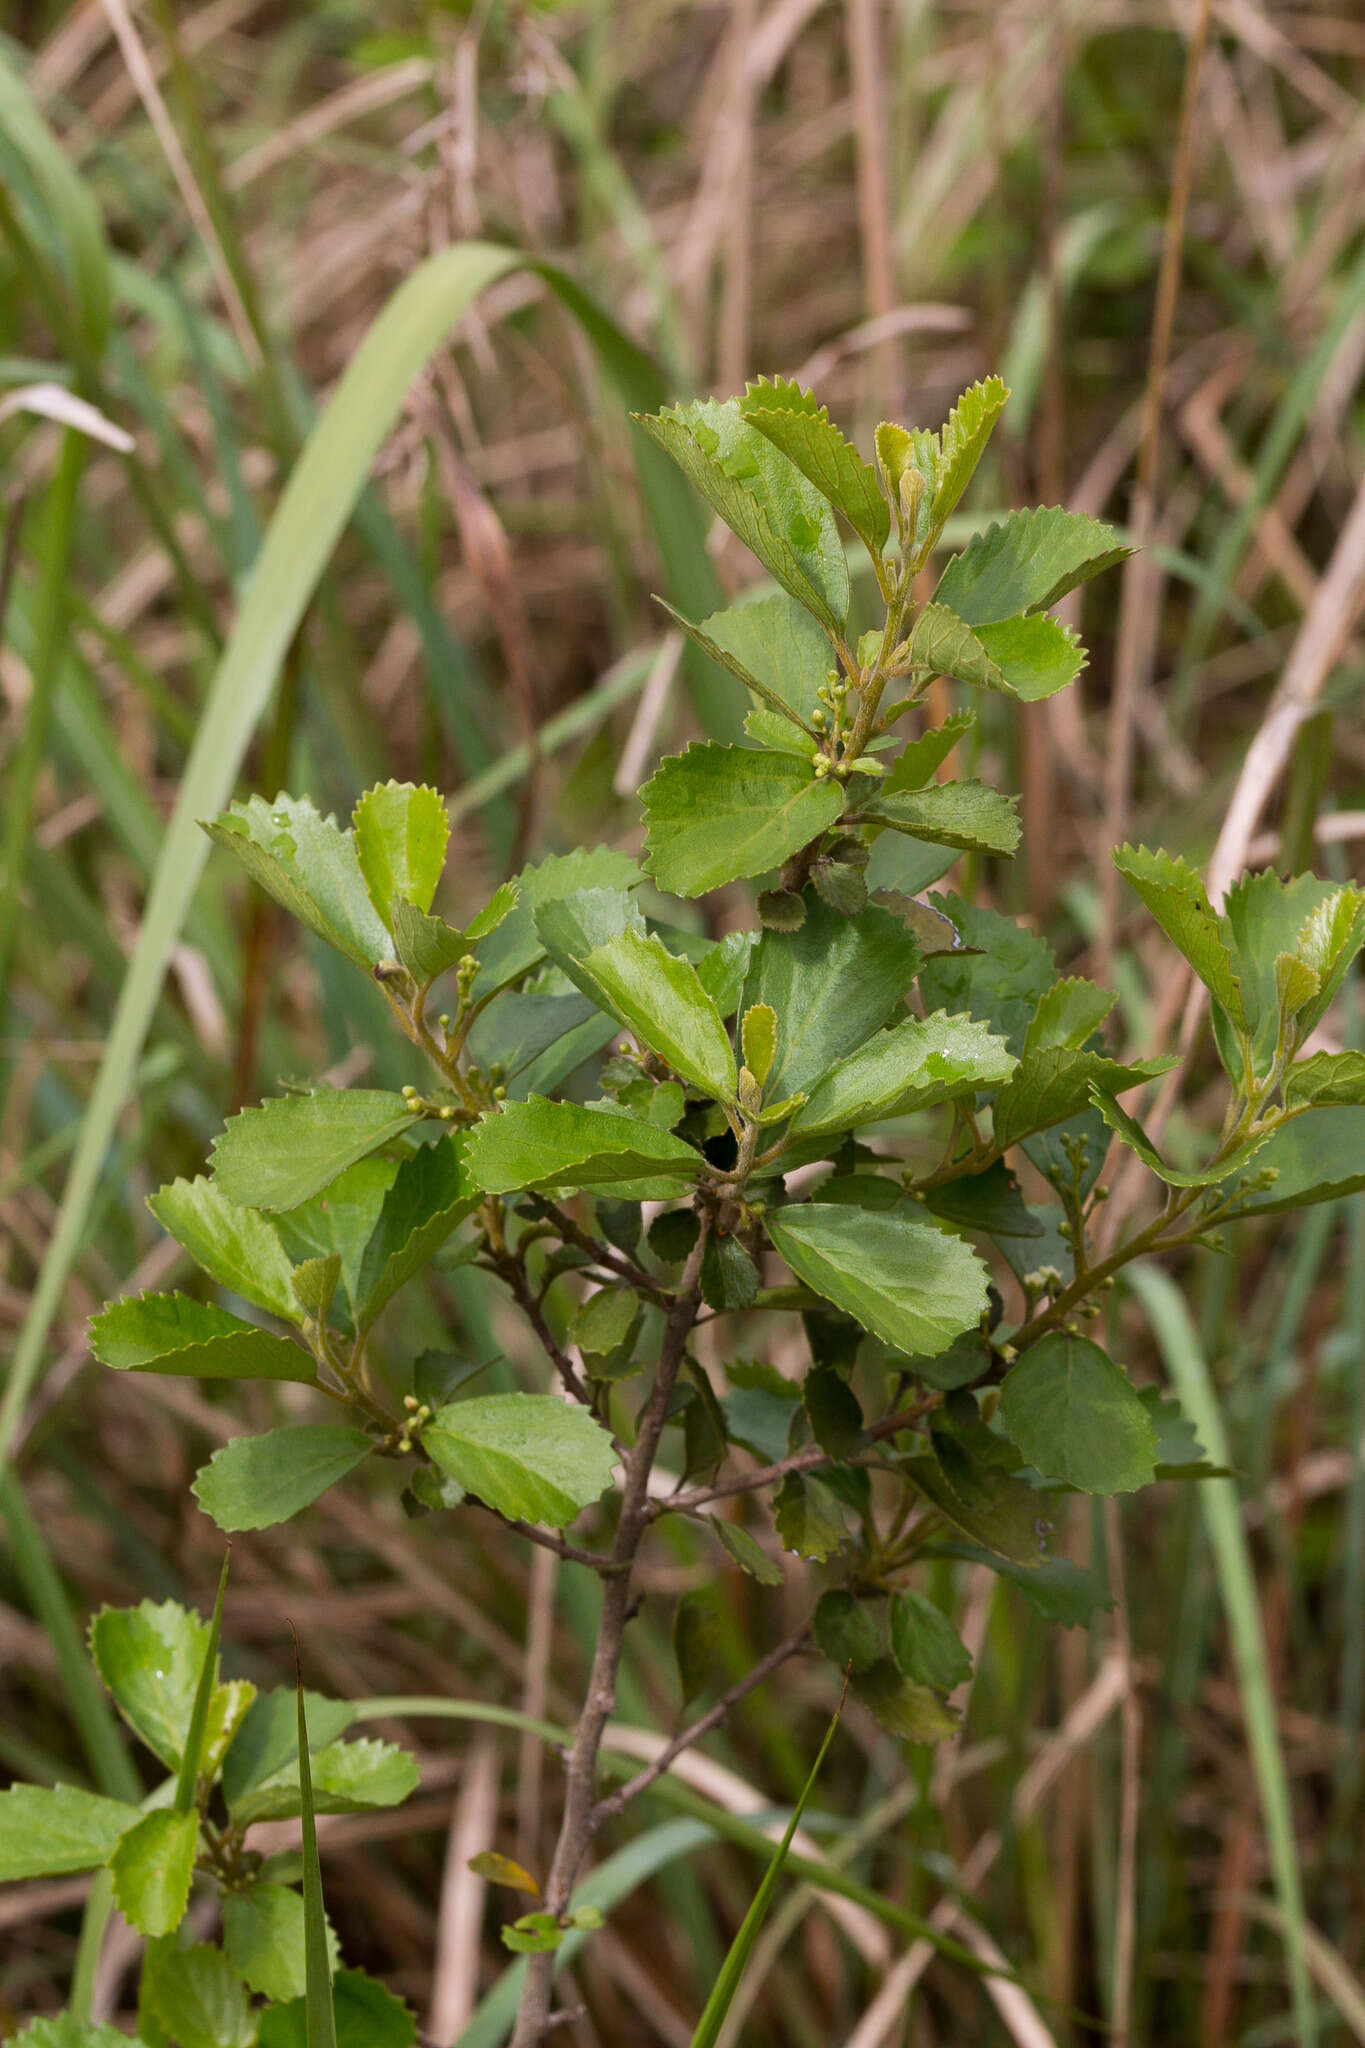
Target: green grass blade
(187, 1783)
(72, 214)
(1165, 1309)
(736, 1962)
(321, 2013)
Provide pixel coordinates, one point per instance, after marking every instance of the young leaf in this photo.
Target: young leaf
(1037, 656)
(912, 1285)
(263, 1937)
(432, 1194)
(969, 815)
(777, 650)
(831, 985)
(925, 1645)
(289, 1149)
(320, 2015)
(758, 1040)
(367, 2016)
(962, 442)
(794, 422)
(426, 945)
(1177, 899)
(1027, 563)
(661, 999)
(920, 761)
(237, 1247)
(170, 1333)
(745, 1551)
(400, 842)
(309, 865)
(906, 1710)
(52, 1831)
(315, 1283)
(912, 1066)
(1075, 1417)
(1333, 934)
(1068, 1015)
(256, 1481)
(941, 644)
(529, 1456)
(541, 1144)
(152, 1868)
(1328, 1078)
(534, 1934)
(197, 1996)
(762, 497)
(1055, 1083)
(717, 814)
(846, 1630)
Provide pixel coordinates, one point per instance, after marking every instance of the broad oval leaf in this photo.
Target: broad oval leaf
(197, 1996)
(1075, 1417)
(537, 1144)
(238, 1247)
(912, 1066)
(151, 1657)
(400, 842)
(530, 1456)
(914, 1286)
(661, 999)
(1026, 563)
(263, 1937)
(309, 865)
(171, 1333)
(282, 1153)
(1037, 656)
(52, 1831)
(256, 1481)
(432, 1194)
(347, 1777)
(717, 814)
(779, 652)
(831, 985)
(925, 1645)
(152, 1868)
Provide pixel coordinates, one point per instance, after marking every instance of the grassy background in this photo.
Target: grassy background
(887, 201)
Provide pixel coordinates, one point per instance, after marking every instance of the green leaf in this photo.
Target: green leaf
(919, 762)
(171, 1333)
(941, 645)
(1054, 1083)
(1075, 1417)
(776, 649)
(367, 2016)
(796, 423)
(762, 497)
(151, 1657)
(426, 945)
(1263, 919)
(1135, 1138)
(1001, 981)
(1027, 563)
(264, 1940)
(971, 1479)
(1061, 1591)
(198, 1997)
(52, 1831)
(256, 1481)
(696, 1639)
(729, 1278)
(1326, 1078)
(988, 1202)
(846, 1629)
(746, 1551)
(758, 1040)
(538, 1144)
(808, 1517)
(912, 1066)
(831, 984)
(836, 1420)
(969, 815)
(716, 814)
(290, 1148)
(1332, 935)
(315, 1285)
(309, 865)
(268, 1740)
(530, 1456)
(431, 1196)
(1036, 656)
(661, 999)
(346, 1777)
(962, 442)
(1316, 1158)
(152, 1867)
(906, 1710)
(400, 842)
(1068, 1015)
(925, 1645)
(912, 1285)
(516, 946)
(66, 2032)
(237, 1247)
(342, 1219)
(1177, 899)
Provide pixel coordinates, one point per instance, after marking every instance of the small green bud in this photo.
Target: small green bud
(499, 1093)
(410, 1403)
(818, 720)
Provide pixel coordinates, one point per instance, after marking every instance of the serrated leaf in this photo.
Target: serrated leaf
(508, 954)
(763, 498)
(255, 1481)
(918, 763)
(263, 1938)
(530, 1456)
(426, 945)
(808, 1517)
(537, 1144)
(696, 1638)
(342, 1219)
(962, 442)
(197, 1996)
(942, 644)
(400, 842)
(970, 1478)
(716, 814)
(367, 2016)
(1177, 899)
(347, 1777)
(988, 1202)
(432, 1194)
(66, 2032)
(1060, 1591)
(152, 1867)
(1027, 563)
(315, 1284)
(287, 1150)
(268, 1739)
(1037, 656)
(796, 423)
(1068, 1015)
(1001, 980)
(836, 1420)
(1075, 1417)
(170, 1333)
(912, 1285)
(52, 1831)
(758, 1040)
(746, 1552)
(1135, 1138)
(1054, 1083)
(832, 984)
(913, 1066)
(1332, 935)
(908, 1711)
(1316, 1158)
(846, 1630)
(661, 999)
(237, 1247)
(1326, 1078)
(151, 1657)
(776, 649)
(309, 865)
(969, 815)
(605, 1321)
(925, 1645)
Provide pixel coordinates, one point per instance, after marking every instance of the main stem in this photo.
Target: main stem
(578, 1823)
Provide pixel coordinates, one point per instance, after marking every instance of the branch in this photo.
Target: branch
(808, 1459)
(607, 1809)
(512, 1271)
(533, 1532)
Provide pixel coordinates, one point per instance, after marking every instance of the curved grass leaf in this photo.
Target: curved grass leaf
(319, 2012)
